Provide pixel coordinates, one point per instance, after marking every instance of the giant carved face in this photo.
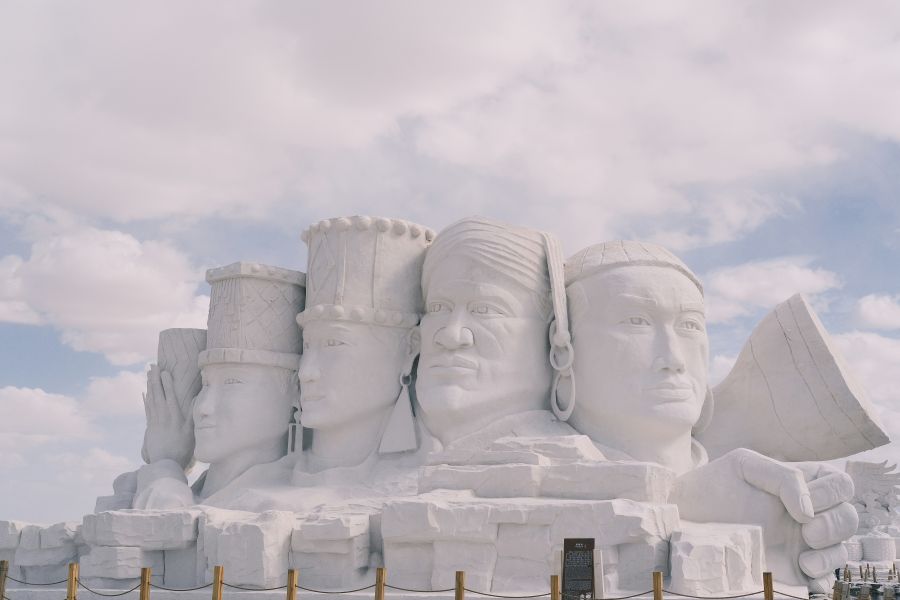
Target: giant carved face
(641, 350)
(349, 371)
(484, 349)
(241, 407)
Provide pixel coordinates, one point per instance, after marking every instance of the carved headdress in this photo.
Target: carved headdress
(531, 259)
(365, 269)
(623, 253)
(251, 315)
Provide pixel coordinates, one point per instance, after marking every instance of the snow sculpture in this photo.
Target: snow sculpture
(364, 301)
(491, 292)
(482, 458)
(639, 320)
(876, 497)
(241, 415)
(791, 396)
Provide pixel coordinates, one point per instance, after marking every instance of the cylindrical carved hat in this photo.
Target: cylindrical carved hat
(365, 269)
(251, 315)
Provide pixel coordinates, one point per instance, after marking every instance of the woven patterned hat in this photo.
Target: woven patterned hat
(251, 315)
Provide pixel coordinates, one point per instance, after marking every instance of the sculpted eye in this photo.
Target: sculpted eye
(232, 381)
(483, 308)
(639, 321)
(436, 307)
(692, 325)
(333, 342)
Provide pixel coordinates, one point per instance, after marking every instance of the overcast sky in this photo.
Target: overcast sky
(144, 142)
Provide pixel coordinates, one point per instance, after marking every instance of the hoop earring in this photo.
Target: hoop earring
(400, 433)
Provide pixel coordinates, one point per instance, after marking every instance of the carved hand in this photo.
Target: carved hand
(170, 424)
(801, 507)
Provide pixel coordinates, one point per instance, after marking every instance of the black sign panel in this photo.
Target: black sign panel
(578, 568)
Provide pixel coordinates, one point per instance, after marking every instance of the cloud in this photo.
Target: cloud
(592, 119)
(32, 417)
(873, 359)
(96, 467)
(878, 311)
(740, 290)
(116, 395)
(12, 308)
(108, 292)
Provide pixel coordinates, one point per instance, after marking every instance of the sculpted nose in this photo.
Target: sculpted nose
(454, 335)
(669, 356)
(309, 367)
(204, 404)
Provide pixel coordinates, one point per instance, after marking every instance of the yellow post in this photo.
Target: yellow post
(218, 572)
(292, 585)
(72, 582)
(460, 592)
(4, 571)
(768, 588)
(836, 593)
(554, 587)
(379, 583)
(657, 585)
(145, 583)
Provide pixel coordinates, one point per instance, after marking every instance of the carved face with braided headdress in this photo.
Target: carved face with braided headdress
(485, 331)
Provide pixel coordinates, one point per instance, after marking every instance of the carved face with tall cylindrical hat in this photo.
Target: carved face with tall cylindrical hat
(359, 343)
(250, 364)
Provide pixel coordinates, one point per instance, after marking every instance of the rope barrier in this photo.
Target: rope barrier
(715, 597)
(193, 589)
(78, 581)
(789, 596)
(29, 583)
(368, 587)
(247, 589)
(501, 596)
(394, 587)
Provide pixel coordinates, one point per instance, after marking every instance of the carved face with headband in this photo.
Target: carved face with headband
(639, 330)
(485, 333)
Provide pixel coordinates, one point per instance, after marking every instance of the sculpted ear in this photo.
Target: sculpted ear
(577, 300)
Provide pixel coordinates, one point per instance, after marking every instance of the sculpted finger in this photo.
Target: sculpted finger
(781, 480)
(819, 563)
(830, 490)
(821, 585)
(831, 526)
(158, 395)
(172, 404)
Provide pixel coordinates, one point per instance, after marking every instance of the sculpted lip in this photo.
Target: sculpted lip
(453, 362)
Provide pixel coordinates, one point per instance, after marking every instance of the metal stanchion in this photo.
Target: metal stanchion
(218, 579)
(554, 587)
(145, 583)
(768, 588)
(292, 585)
(460, 591)
(657, 585)
(72, 582)
(379, 583)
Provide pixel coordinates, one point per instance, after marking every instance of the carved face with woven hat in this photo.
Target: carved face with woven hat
(249, 367)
